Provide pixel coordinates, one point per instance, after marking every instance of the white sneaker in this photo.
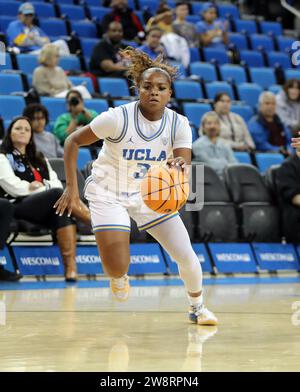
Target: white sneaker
(202, 316)
(120, 290)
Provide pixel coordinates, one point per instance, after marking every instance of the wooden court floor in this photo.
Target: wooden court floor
(83, 329)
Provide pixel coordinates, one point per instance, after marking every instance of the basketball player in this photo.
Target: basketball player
(136, 136)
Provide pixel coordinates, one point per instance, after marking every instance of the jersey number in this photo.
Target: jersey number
(144, 167)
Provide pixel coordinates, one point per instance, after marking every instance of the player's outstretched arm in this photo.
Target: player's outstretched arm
(70, 198)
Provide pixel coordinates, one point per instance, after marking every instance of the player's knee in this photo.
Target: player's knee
(115, 268)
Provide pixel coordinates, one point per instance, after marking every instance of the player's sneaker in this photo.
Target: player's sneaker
(120, 288)
(202, 316)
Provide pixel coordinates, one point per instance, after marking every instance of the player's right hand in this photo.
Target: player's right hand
(68, 201)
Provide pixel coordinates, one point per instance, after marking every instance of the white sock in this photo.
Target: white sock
(196, 301)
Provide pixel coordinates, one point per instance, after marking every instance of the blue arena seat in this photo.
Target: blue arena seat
(278, 58)
(214, 88)
(271, 27)
(94, 3)
(284, 43)
(193, 19)
(140, 15)
(9, 8)
(79, 80)
(53, 26)
(84, 157)
(87, 45)
(99, 12)
(73, 12)
(261, 41)
(186, 89)
(245, 111)
(263, 76)
(152, 5)
(84, 29)
(195, 111)
(243, 157)
(27, 63)
(195, 55)
(69, 63)
(99, 105)
(11, 106)
(275, 88)
(5, 62)
(10, 83)
(239, 40)
(245, 26)
(225, 10)
(252, 58)
(292, 74)
(249, 92)
(44, 10)
(196, 7)
(205, 71)
(265, 160)
(115, 87)
(219, 55)
(119, 102)
(233, 72)
(55, 106)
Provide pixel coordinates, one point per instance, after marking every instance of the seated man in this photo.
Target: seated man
(24, 36)
(105, 59)
(130, 22)
(209, 148)
(182, 27)
(45, 142)
(212, 32)
(288, 185)
(152, 47)
(6, 215)
(266, 128)
(78, 115)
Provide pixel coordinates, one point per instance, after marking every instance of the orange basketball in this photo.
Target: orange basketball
(165, 190)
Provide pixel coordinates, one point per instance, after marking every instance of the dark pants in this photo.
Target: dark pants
(39, 209)
(6, 215)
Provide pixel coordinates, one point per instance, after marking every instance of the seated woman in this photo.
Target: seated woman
(28, 180)
(234, 131)
(50, 79)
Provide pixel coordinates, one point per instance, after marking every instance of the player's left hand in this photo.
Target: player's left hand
(296, 144)
(177, 162)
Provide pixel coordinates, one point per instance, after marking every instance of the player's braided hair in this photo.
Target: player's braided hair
(141, 62)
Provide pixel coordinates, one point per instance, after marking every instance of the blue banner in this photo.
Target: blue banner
(146, 259)
(39, 260)
(5, 260)
(233, 258)
(202, 255)
(88, 260)
(274, 257)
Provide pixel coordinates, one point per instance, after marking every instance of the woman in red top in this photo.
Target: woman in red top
(28, 181)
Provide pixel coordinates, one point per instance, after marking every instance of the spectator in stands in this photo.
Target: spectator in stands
(182, 27)
(78, 115)
(212, 32)
(50, 79)
(6, 216)
(234, 131)
(209, 148)
(288, 185)
(266, 128)
(24, 36)
(288, 105)
(176, 47)
(105, 59)
(130, 22)
(45, 142)
(27, 179)
(152, 46)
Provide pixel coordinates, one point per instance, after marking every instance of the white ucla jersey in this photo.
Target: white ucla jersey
(132, 144)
